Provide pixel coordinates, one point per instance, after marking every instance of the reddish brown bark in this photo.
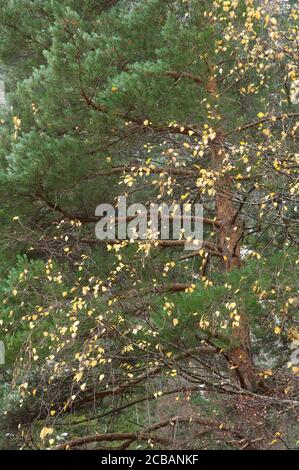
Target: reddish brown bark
(229, 241)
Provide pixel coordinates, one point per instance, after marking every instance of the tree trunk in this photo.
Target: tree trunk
(229, 239)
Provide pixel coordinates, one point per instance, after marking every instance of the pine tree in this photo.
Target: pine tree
(174, 101)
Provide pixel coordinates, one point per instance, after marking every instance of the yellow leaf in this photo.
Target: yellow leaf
(45, 432)
(78, 376)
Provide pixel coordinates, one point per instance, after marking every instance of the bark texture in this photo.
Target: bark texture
(229, 241)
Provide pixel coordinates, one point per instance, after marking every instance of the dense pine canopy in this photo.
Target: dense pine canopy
(136, 344)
